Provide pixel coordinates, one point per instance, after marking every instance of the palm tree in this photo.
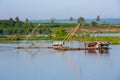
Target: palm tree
(81, 19)
(17, 19)
(26, 20)
(98, 18)
(52, 20)
(71, 19)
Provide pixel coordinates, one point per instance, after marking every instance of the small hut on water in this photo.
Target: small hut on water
(99, 45)
(58, 44)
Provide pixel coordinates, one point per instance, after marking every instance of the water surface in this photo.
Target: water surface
(106, 34)
(49, 64)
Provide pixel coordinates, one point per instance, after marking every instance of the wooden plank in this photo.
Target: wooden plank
(59, 48)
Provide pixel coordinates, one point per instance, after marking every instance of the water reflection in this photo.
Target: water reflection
(72, 63)
(100, 51)
(49, 64)
(106, 34)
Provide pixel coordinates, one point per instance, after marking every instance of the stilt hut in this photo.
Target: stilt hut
(100, 45)
(58, 44)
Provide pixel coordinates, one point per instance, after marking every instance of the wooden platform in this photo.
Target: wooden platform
(33, 47)
(60, 48)
(69, 48)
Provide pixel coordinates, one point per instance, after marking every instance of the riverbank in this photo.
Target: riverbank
(54, 31)
(85, 27)
(112, 40)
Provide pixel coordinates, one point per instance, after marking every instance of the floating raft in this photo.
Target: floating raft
(33, 47)
(60, 48)
(69, 48)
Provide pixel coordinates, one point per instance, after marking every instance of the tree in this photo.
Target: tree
(71, 19)
(26, 20)
(27, 24)
(52, 20)
(12, 22)
(1, 31)
(17, 19)
(18, 23)
(60, 32)
(98, 18)
(94, 24)
(81, 19)
(11, 19)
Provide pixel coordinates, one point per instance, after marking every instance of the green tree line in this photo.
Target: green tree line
(17, 27)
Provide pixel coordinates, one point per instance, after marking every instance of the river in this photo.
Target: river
(49, 64)
(106, 34)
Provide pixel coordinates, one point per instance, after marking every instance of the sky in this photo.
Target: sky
(59, 9)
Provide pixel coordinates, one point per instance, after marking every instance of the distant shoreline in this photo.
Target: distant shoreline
(106, 20)
(113, 40)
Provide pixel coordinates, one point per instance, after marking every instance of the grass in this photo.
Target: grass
(86, 27)
(114, 28)
(112, 40)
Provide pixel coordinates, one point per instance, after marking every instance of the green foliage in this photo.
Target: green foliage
(52, 20)
(98, 18)
(103, 25)
(26, 20)
(11, 27)
(52, 25)
(6, 23)
(17, 27)
(59, 32)
(17, 19)
(71, 19)
(81, 19)
(94, 24)
(112, 40)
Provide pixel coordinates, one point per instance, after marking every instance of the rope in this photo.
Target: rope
(70, 35)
